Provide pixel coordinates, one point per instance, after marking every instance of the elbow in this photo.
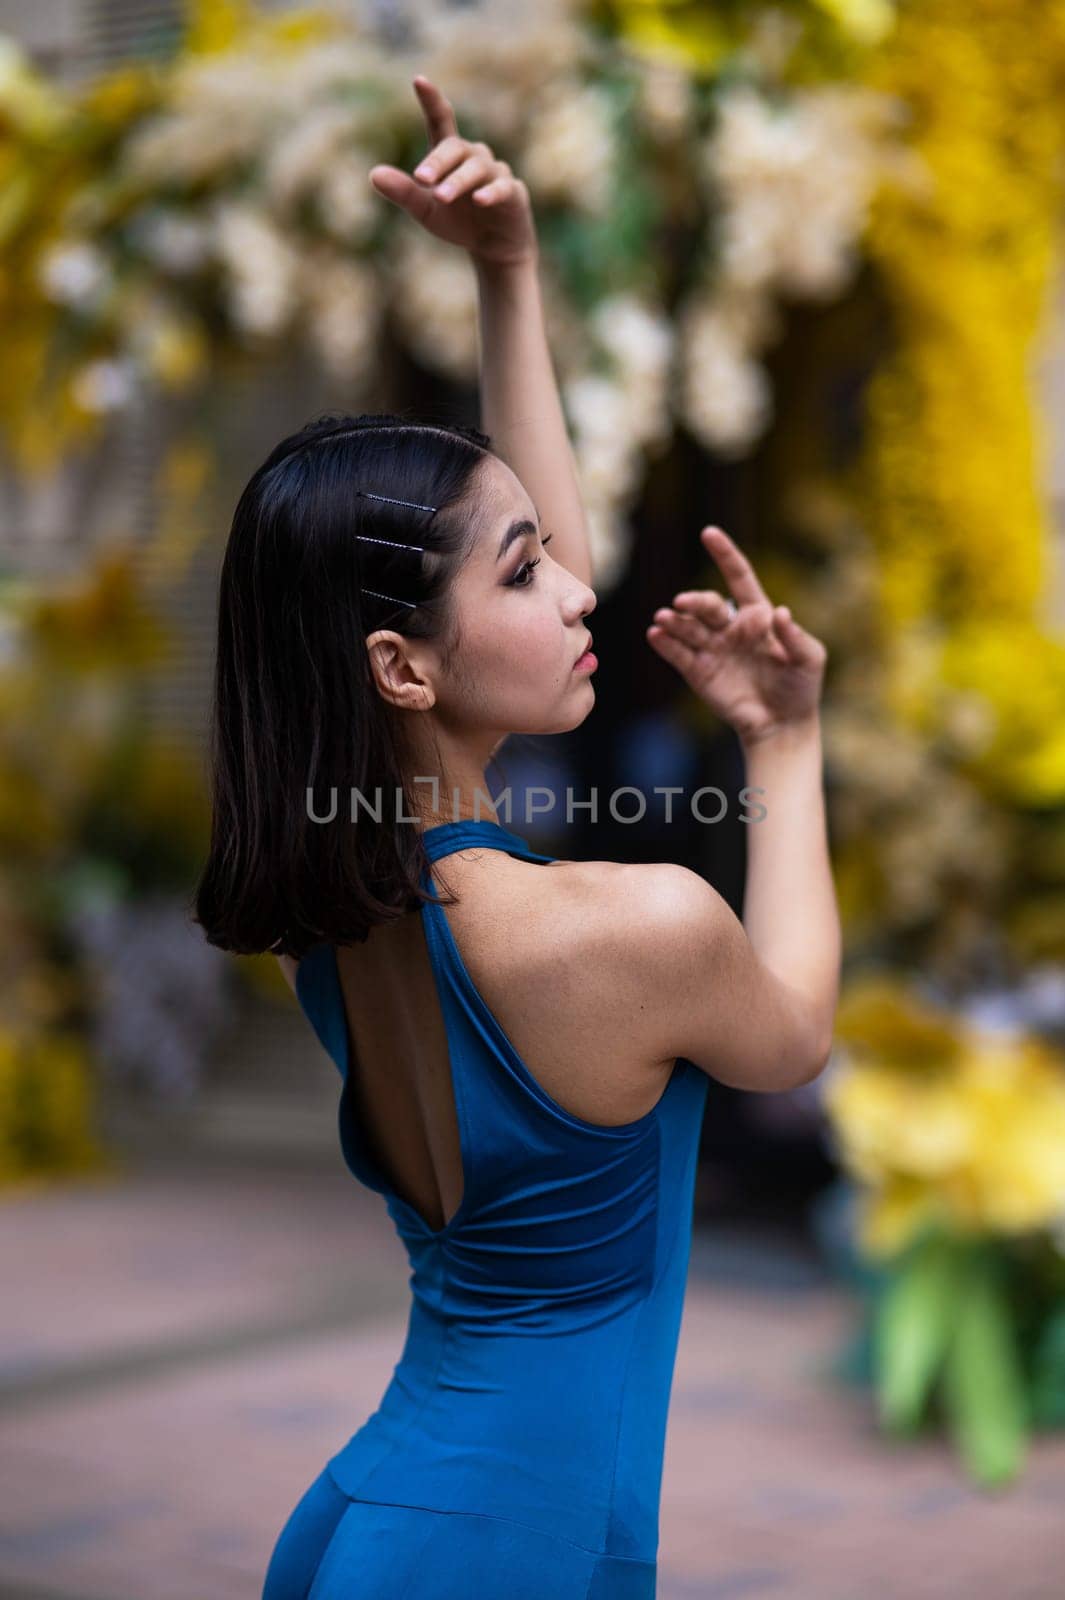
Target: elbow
(815, 1061)
(813, 1036)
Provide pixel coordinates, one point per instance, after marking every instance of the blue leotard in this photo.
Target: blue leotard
(517, 1450)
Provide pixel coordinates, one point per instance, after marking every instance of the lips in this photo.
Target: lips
(584, 651)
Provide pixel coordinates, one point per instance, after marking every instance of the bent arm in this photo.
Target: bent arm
(751, 1003)
(699, 989)
(521, 408)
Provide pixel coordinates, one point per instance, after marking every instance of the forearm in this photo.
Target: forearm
(790, 910)
(521, 408)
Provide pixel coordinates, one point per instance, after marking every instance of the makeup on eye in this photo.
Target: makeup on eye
(519, 580)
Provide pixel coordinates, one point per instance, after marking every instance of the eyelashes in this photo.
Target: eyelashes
(519, 580)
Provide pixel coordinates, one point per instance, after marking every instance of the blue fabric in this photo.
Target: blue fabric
(519, 1444)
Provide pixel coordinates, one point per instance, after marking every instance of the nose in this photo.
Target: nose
(581, 601)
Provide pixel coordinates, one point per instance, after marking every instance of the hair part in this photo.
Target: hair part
(296, 708)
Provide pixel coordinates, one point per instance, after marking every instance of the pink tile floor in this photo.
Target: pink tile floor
(180, 1353)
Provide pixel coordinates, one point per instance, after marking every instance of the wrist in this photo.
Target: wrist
(785, 735)
(491, 272)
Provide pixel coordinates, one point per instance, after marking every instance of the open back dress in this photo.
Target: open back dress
(517, 1451)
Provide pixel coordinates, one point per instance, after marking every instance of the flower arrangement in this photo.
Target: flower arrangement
(219, 206)
(953, 443)
(698, 173)
(99, 817)
(955, 1137)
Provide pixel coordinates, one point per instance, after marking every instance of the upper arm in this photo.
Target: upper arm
(703, 991)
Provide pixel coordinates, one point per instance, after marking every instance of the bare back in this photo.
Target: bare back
(525, 933)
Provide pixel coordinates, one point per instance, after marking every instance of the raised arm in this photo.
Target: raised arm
(486, 210)
(754, 1003)
(521, 408)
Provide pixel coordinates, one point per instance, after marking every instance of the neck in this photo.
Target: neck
(451, 786)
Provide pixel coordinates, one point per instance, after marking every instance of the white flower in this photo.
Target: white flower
(188, 147)
(435, 303)
(772, 39)
(347, 202)
(724, 394)
(178, 243)
(74, 274)
(665, 96)
(639, 340)
(599, 412)
(610, 541)
(569, 154)
(105, 385)
(262, 268)
(342, 302)
(794, 184)
(498, 68)
(302, 155)
(609, 465)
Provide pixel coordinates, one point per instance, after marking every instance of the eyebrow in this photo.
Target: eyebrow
(517, 530)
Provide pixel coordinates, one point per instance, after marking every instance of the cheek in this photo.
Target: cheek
(519, 648)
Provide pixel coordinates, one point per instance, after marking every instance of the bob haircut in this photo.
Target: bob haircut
(297, 721)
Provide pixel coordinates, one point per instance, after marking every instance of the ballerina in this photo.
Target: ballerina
(524, 1062)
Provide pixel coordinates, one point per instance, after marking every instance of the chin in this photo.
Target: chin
(563, 720)
(575, 718)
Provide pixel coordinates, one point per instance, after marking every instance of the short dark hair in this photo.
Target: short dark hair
(296, 705)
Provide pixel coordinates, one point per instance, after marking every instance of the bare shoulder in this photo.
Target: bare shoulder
(663, 955)
(539, 942)
(602, 936)
(632, 909)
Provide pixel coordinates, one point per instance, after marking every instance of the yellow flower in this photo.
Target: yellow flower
(975, 1142)
(878, 1019)
(98, 620)
(215, 25)
(869, 21)
(27, 101)
(982, 81)
(896, 1212)
(685, 32)
(46, 1107)
(177, 352)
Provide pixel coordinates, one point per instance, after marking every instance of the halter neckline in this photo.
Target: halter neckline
(465, 822)
(445, 837)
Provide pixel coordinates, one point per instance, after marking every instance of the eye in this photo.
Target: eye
(523, 578)
(520, 580)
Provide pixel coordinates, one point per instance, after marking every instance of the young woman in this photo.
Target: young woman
(524, 1042)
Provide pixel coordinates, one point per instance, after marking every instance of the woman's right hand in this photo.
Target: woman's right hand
(462, 192)
(757, 669)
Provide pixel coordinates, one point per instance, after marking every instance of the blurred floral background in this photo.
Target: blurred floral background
(803, 274)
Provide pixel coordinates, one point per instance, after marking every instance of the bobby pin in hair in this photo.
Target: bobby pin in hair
(396, 542)
(392, 502)
(412, 604)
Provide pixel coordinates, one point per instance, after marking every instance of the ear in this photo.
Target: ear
(399, 672)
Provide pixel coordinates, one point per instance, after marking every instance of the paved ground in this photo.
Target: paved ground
(180, 1353)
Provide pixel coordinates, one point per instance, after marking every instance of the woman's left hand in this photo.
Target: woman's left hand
(461, 192)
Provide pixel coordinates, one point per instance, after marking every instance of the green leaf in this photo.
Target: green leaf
(983, 1386)
(914, 1323)
(1048, 1384)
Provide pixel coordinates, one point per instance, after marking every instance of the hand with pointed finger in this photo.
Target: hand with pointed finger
(755, 667)
(460, 192)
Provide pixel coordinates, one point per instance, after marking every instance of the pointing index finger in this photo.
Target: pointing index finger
(439, 113)
(742, 578)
